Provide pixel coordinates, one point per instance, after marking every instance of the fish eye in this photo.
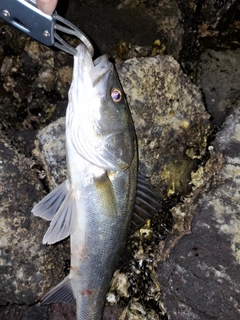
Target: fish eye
(116, 95)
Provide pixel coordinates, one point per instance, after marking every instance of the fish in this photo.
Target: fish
(95, 205)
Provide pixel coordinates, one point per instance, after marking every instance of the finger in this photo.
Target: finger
(47, 6)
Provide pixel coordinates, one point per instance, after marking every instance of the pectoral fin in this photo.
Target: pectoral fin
(60, 207)
(64, 221)
(61, 293)
(50, 204)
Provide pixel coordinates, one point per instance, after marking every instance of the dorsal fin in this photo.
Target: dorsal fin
(147, 203)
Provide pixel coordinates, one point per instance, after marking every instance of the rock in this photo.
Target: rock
(23, 312)
(138, 23)
(208, 24)
(46, 79)
(64, 80)
(33, 80)
(221, 94)
(25, 264)
(200, 263)
(53, 153)
(57, 311)
(167, 18)
(170, 121)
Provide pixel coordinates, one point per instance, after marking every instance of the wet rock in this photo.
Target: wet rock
(34, 50)
(9, 84)
(25, 264)
(170, 121)
(23, 312)
(112, 313)
(167, 19)
(221, 94)
(199, 271)
(206, 23)
(135, 25)
(64, 80)
(53, 152)
(46, 79)
(62, 311)
(10, 65)
(57, 311)
(34, 81)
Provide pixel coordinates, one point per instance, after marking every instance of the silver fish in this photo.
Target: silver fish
(95, 204)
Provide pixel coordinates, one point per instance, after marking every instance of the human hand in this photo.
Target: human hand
(47, 6)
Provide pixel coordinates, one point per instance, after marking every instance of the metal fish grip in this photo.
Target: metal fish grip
(26, 17)
(72, 30)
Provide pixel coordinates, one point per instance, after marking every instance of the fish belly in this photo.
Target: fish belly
(102, 229)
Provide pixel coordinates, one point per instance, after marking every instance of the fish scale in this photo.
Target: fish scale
(100, 262)
(102, 237)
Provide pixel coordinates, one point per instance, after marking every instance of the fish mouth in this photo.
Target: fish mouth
(86, 70)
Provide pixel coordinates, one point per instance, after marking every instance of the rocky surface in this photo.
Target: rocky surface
(199, 271)
(173, 131)
(24, 262)
(138, 28)
(172, 126)
(211, 24)
(220, 95)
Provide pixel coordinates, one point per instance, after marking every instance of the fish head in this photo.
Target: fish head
(99, 122)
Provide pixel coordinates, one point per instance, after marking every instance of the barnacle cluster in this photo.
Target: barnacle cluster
(135, 285)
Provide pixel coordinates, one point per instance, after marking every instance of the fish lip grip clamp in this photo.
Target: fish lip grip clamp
(26, 17)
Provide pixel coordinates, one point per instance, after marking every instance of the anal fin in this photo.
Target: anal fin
(61, 293)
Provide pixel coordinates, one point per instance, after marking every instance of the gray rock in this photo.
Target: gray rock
(57, 311)
(52, 151)
(208, 24)
(170, 120)
(199, 271)
(167, 18)
(136, 24)
(23, 312)
(25, 264)
(219, 78)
